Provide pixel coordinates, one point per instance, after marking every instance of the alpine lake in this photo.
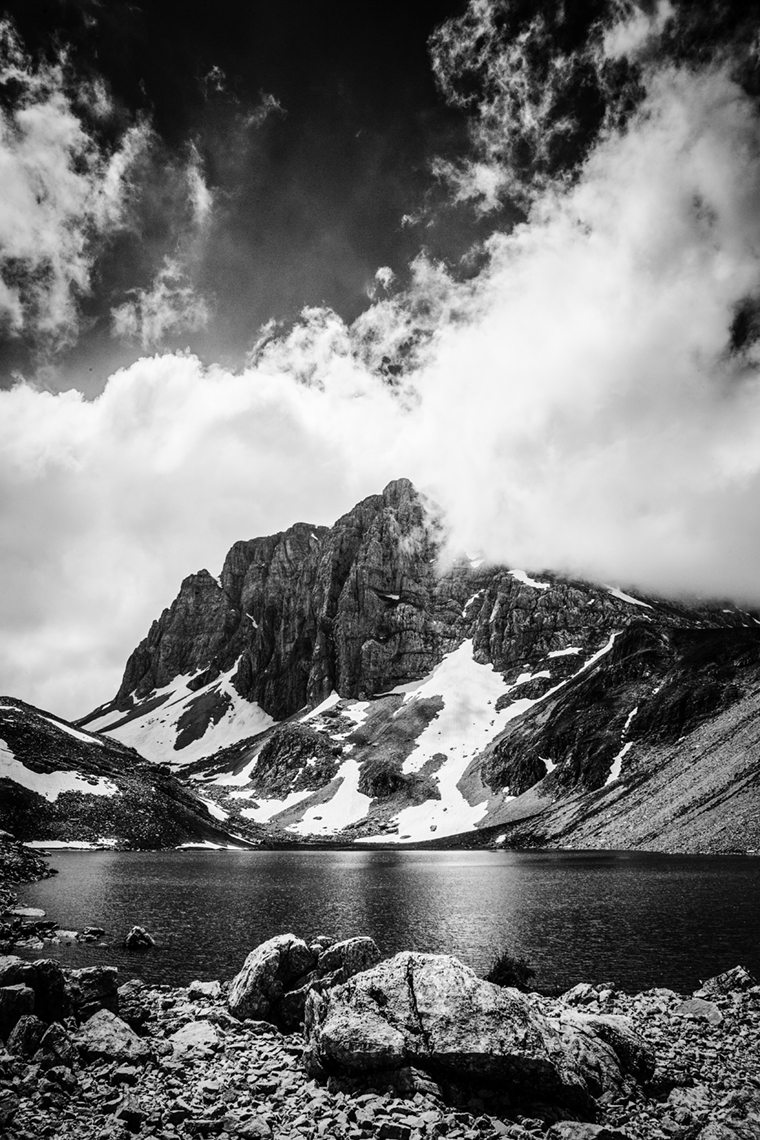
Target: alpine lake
(637, 919)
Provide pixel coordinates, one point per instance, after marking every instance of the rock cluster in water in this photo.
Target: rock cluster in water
(411, 1048)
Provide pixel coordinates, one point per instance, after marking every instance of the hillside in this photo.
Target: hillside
(355, 683)
(61, 785)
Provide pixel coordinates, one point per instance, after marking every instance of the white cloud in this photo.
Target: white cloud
(61, 194)
(636, 28)
(170, 305)
(578, 405)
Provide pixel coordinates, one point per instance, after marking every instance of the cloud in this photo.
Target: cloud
(589, 401)
(62, 195)
(170, 305)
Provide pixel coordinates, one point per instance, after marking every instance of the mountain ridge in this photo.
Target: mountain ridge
(343, 683)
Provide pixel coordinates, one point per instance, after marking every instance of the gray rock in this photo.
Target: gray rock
(197, 990)
(26, 1035)
(432, 1012)
(580, 1130)
(15, 1001)
(93, 988)
(132, 1006)
(57, 1047)
(196, 1039)
(697, 1009)
(635, 1056)
(106, 1036)
(732, 981)
(348, 958)
(266, 974)
(138, 939)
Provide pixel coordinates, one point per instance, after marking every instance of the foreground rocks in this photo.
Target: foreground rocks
(174, 1063)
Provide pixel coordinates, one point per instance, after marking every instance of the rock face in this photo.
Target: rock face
(431, 1012)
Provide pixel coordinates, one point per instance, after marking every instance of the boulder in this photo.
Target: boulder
(432, 1012)
(92, 988)
(697, 1009)
(56, 1048)
(132, 1007)
(139, 939)
(732, 981)
(26, 1035)
(344, 959)
(267, 972)
(196, 1039)
(106, 1036)
(15, 1001)
(335, 965)
(197, 991)
(633, 1053)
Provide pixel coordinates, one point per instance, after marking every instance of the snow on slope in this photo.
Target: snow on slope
(87, 737)
(50, 784)
(154, 734)
(347, 806)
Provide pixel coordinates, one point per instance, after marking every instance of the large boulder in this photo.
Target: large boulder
(431, 1012)
(267, 972)
(106, 1036)
(26, 1035)
(92, 988)
(732, 981)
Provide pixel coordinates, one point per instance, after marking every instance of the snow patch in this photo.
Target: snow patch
(155, 733)
(267, 809)
(616, 593)
(50, 784)
(617, 763)
(347, 806)
(521, 576)
(87, 737)
(214, 809)
(328, 703)
(564, 652)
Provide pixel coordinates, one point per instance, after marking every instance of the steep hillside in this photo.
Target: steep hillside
(59, 784)
(347, 683)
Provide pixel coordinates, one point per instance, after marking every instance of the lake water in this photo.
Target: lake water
(640, 920)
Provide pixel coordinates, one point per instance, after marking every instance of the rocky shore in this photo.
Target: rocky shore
(408, 1048)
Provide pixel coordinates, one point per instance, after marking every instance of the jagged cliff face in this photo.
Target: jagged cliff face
(443, 697)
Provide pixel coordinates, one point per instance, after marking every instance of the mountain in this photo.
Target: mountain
(61, 785)
(352, 683)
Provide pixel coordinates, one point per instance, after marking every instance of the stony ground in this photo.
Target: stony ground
(207, 1074)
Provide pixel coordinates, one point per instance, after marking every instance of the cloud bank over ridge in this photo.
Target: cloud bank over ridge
(588, 400)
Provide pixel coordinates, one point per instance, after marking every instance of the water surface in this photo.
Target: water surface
(637, 919)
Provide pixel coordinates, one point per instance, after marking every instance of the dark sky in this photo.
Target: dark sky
(308, 200)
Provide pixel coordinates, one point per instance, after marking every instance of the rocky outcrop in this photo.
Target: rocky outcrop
(278, 976)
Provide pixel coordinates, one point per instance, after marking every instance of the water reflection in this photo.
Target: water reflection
(637, 919)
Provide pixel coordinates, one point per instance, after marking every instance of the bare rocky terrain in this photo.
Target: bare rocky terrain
(176, 1063)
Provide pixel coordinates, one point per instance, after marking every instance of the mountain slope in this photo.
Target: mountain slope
(61, 784)
(349, 683)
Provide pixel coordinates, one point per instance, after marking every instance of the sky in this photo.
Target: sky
(258, 261)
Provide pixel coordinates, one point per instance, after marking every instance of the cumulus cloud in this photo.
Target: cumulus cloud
(589, 402)
(170, 305)
(62, 194)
